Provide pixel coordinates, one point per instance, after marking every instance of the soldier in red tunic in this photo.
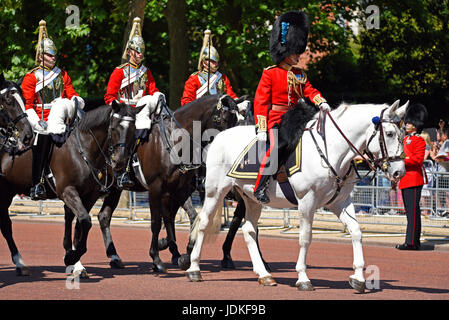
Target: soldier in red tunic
(50, 99)
(207, 80)
(133, 83)
(281, 87)
(412, 182)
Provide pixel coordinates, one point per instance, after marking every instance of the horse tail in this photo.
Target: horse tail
(215, 227)
(210, 234)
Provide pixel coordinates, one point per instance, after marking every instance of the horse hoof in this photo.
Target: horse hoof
(22, 271)
(159, 268)
(227, 264)
(116, 264)
(175, 260)
(184, 262)
(194, 276)
(71, 258)
(162, 244)
(267, 281)
(305, 286)
(357, 285)
(82, 274)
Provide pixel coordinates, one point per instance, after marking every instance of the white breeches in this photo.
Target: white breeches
(61, 109)
(143, 120)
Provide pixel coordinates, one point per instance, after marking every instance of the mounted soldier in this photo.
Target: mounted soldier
(133, 83)
(208, 80)
(50, 100)
(281, 87)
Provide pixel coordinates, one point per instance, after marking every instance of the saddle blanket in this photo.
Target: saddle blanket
(247, 164)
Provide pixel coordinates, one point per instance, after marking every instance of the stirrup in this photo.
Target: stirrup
(125, 181)
(38, 192)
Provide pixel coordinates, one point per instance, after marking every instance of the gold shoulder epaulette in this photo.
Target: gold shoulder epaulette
(195, 73)
(34, 69)
(270, 67)
(122, 65)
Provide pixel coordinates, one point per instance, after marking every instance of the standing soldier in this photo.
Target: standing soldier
(133, 83)
(50, 100)
(208, 80)
(281, 87)
(412, 182)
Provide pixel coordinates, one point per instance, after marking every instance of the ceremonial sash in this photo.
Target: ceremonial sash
(48, 78)
(132, 77)
(201, 91)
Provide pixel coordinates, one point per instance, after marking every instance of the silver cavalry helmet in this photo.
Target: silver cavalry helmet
(137, 43)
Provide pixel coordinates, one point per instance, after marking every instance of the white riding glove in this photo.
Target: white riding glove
(262, 136)
(325, 107)
(243, 105)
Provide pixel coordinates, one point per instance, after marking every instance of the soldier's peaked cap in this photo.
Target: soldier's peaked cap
(289, 35)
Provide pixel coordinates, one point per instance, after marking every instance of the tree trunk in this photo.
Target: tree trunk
(175, 13)
(136, 9)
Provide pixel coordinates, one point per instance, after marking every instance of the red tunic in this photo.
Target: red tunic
(273, 89)
(193, 84)
(414, 149)
(32, 100)
(115, 81)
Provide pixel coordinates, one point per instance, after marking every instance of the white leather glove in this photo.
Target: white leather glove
(34, 120)
(243, 105)
(325, 107)
(262, 136)
(80, 101)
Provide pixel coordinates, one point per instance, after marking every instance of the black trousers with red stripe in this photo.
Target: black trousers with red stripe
(411, 197)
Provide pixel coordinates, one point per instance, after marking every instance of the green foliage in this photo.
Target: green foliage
(406, 58)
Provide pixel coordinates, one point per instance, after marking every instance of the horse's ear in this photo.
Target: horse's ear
(400, 112)
(136, 110)
(115, 106)
(392, 109)
(241, 99)
(2, 79)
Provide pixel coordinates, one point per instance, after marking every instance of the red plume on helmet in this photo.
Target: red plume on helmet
(289, 35)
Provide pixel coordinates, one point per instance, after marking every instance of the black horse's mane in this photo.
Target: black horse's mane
(9, 83)
(294, 122)
(199, 101)
(101, 115)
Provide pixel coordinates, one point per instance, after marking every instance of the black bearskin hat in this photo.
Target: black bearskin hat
(289, 35)
(416, 114)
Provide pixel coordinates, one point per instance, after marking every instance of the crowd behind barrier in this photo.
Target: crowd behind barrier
(374, 200)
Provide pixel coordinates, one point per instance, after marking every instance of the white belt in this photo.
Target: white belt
(46, 106)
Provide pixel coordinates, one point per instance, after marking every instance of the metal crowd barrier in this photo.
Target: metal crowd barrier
(374, 200)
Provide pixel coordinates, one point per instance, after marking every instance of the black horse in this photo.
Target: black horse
(170, 183)
(15, 130)
(100, 140)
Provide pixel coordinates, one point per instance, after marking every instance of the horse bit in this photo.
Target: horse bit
(11, 130)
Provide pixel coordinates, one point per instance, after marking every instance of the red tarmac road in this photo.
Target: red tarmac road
(422, 275)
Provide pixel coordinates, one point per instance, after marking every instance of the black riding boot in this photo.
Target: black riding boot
(124, 181)
(41, 152)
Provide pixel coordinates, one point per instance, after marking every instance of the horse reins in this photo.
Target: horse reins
(372, 162)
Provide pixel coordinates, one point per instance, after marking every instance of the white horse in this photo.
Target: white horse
(315, 186)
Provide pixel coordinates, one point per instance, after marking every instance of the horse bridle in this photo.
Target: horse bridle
(11, 128)
(217, 113)
(383, 162)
